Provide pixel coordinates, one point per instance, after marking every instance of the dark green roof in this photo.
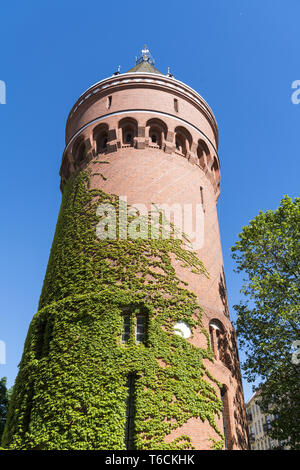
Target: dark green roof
(144, 66)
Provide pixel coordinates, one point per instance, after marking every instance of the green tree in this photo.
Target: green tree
(3, 404)
(268, 253)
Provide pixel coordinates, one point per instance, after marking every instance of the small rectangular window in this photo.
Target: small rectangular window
(176, 105)
(202, 198)
(109, 100)
(140, 329)
(126, 329)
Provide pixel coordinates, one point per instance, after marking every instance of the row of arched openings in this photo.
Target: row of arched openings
(155, 132)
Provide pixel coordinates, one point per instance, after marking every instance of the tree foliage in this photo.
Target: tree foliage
(268, 253)
(3, 404)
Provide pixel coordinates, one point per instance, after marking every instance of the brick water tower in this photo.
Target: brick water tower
(132, 346)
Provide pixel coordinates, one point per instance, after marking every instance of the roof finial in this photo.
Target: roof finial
(169, 74)
(146, 56)
(145, 52)
(118, 70)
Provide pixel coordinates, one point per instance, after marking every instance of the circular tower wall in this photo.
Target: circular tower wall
(132, 344)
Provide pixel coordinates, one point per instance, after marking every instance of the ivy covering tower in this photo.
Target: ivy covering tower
(132, 346)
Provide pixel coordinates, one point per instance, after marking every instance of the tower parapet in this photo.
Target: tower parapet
(164, 113)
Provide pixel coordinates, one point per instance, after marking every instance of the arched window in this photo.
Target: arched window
(155, 137)
(65, 169)
(202, 153)
(180, 144)
(183, 141)
(79, 151)
(217, 338)
(157, 132)
(101, 142)
(215, 168)
(100, 135)
(128, 127)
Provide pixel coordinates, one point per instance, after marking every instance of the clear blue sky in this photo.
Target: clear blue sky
(240, 55)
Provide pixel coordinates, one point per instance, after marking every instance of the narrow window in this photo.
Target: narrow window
(109, 100)
(126, 329)
(219, 344)
(201, 193)
(202, 197)
(219, 340)
(176, 105)
(140, 329)
(212, 341)
(224, 399)
(130, 412)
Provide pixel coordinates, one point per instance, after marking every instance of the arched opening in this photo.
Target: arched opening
(180, 144)
(128, 127)
(128, 136)
(155, 136)
(65, 169)
(217, 338)
(183, 141)
(100, 135)
(79, 151)
(157, 130)
(101, 142)
(215, 169)
(202, 153)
